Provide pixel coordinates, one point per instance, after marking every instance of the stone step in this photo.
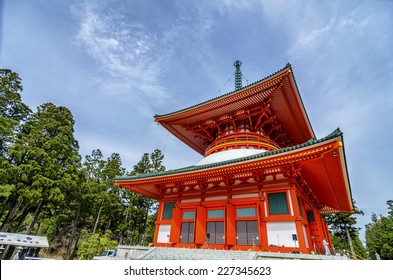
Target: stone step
(162, 253)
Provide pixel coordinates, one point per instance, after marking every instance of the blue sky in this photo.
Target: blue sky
(115, 64)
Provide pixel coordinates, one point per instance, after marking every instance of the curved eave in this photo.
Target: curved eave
(329, 181)
(286, 104)
(325, 171)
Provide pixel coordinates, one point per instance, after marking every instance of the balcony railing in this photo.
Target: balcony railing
(241, 140)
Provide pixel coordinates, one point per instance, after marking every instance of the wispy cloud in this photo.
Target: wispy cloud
(224, 6)
(334, 31)
(137, 58)
(123, 49)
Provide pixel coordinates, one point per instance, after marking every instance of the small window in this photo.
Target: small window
(247, 233)
(278, 203)
(211, 214)
(188, 215)
(187, 233)
(215, 232)
(168, 209)
(245, 212)
(310, 216)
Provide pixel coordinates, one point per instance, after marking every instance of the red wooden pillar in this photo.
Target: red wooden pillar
(175, 226)
(298, 221)
(262, 222)
(158, 222)
(200, 226)
(318, 232)
(230, 233)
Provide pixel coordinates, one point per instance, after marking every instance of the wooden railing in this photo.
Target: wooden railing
(237, 140)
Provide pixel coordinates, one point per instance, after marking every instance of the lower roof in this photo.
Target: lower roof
(323, 166)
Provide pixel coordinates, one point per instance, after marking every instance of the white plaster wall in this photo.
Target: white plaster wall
(280, 233)
(163, 233)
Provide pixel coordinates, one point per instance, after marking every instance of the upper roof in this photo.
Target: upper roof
(278, 90)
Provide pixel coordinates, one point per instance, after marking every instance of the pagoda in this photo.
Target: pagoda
(265, 180)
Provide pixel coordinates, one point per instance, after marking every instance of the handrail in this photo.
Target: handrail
(252, 139)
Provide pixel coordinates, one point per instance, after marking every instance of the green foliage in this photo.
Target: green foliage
(147, 208)
(379, 235)
(46, 189)
(104, 198)
(12, 109)
(342, 224)
(6, 190)
(44, 158)
(11, 105)
(149, 163)
(12, 112)
(7, 133)
(95, 244)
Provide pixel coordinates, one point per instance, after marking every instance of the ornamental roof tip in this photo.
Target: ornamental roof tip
(288, 65)
(310, 142)
(335, 133)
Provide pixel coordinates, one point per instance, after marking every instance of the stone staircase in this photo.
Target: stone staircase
(164, 253)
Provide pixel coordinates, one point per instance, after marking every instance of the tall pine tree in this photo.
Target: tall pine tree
(379, 235)
(44, 160)
(345, 234)
(12, 113)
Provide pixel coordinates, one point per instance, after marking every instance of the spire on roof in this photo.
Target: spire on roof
(238, 75)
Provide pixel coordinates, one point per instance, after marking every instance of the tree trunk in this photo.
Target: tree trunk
(38, 227)
(132, 236)
(5, 252)
(108, 225)
(350, 242)
(98, 216)
(145, 224)
(10, 216)
(73, 254)
(21, 217)
(35, 215)
(123, 234)
(73, 232)
(127, 237)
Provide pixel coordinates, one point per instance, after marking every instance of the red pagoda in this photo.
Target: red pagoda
(264, 181)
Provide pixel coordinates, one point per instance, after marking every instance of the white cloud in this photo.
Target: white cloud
(337, 30)
(309, 40)
(224, 6)
(123, 50)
